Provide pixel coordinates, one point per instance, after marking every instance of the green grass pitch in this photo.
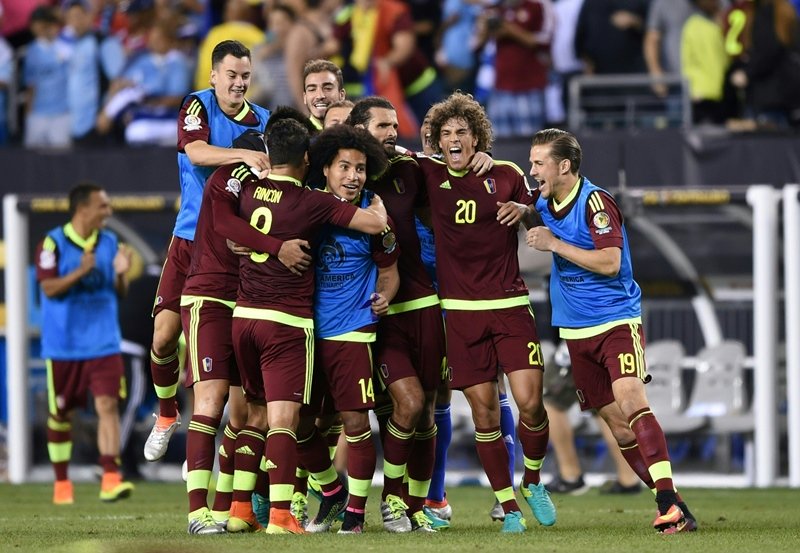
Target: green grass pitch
(154, 520)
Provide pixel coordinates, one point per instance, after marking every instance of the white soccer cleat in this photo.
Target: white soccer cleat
(157, 442)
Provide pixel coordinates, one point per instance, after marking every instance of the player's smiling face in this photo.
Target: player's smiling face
(457, 143)
(97, 210)
(346, 174)
(320, 91)
(231, 79)
(545, 170)
(383, 126)
(425, 135)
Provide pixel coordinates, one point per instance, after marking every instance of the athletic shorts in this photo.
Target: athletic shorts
(68, 381)
(276, 361)
(599, 360)
(209, 346)
(411, 344)
(481, 342)
(347, 367)
(173, 275)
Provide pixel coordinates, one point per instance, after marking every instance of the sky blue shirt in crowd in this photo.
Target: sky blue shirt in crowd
(45, 70)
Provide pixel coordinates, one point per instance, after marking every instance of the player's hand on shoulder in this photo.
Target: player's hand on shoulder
(294, 255)
(257, 161)
(481, 163)
(540, 238)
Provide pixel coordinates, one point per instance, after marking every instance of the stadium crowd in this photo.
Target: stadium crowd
(110, 72)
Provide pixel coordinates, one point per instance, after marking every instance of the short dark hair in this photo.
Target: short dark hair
(288, 112)
(321, 66)
(461, 106)
(80, 194)
(360, 115)
(327, 144)
(563, 145)
(338, 104)
(287, 142)
(232, 47)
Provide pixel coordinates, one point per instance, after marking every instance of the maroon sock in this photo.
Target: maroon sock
(361, 460)
(282, 464)
(397, 444)
(633, 456)
(200, 442)
(249, 450)
(313, 455)
(493, 455)
(59, 445)
(420, 468)
(653, 446)
(165, 373)
(534, 440)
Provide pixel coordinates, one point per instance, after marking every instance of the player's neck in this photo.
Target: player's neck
(81, 228)
(296, 173)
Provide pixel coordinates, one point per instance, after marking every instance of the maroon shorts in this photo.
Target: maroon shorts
(411, 344)
(173, 275)
(599, 360)
(68, 381)
(276, 361)
(481, 342)
(209, 346)
(347, 367)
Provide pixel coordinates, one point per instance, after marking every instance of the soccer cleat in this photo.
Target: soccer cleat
(260, 506)
(691, 522)
(329, 510)
(540, 503)
(62, 493)
(113, 487)
(497, 512)
(436, 522)
(421, 523)
(441, 509)
(513, 523)
(157, 442)
(353, 523)
(671, 521)
(299, 508)
(242, 518)
(559, 485)
(202, 523)
(393, 511)
(281, 521)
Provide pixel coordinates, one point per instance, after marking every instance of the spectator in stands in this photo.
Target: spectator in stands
(270, 73)
(83, 73)
(609, 36)
(565, 63)
(376, 39)
(662, 39)
(522, 30)
(704, 62)
(81, 270)
(456, 56)
(144, 101)
(45, 74)
(427, 18)
(771, 72)
(309, 38)
(6, 79)
(235, 26)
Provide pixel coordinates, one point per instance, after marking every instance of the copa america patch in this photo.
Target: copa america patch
(601, 221)
(47, 260)
(234, 186)
(192, 123)
(389, 242)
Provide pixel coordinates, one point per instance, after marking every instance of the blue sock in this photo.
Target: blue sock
(507, 428)
(444, 433)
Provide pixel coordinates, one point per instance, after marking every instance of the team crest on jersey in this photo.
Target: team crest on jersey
(491, 186)
(601, 221)
(47, 260)
(388, 240)
(234, 186)
(207, 364)
(331, 254)
(192, 123)
(399, 185)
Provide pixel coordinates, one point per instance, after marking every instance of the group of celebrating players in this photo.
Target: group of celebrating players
(296, 274)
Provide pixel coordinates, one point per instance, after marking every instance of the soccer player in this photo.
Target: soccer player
(409, 351)
(81, 269)
(323, 85)
(337, 113)
(356, 278)
(273, 320)
(209, 121)
(597, 306)
(489, 319)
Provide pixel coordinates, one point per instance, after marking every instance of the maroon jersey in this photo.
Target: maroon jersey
(214, 270)
(199, 129)
(476, 256)
(402, 189)
(286, 210)
(521, 67)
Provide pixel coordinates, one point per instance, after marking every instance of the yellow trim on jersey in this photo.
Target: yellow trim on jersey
(354, 336)
(309, 365)
(510, 164)
(86, 244)
(195, 107)
(273, 315)
(191, 300)
(485, 305)
(316, 122)
(51, 388)
(589, 331)
(558, 206)
(457, 173)
(285, 178)
(596, 202)
(638, 350)
(242, 114)
(413, 305)
(191, 343)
